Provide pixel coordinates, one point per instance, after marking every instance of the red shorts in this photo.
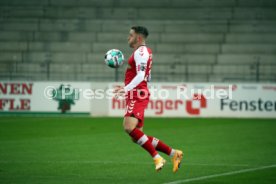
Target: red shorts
(136, 108)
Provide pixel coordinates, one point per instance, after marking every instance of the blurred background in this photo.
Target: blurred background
(192, 40)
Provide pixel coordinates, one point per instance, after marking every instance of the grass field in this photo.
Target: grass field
(96, 150)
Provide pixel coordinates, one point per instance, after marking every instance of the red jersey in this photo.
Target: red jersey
(139, 65)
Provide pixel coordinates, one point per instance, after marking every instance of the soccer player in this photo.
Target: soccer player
(137, 97)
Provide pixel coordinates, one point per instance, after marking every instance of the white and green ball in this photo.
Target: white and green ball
(114, 58)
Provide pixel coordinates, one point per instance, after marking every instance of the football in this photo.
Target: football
(114, 58)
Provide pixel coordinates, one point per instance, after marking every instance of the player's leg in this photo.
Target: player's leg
(158, 144)
(138, 136)
(141, 129)
(176, 160)
(176, 155)
(161, 146)
(130, 126)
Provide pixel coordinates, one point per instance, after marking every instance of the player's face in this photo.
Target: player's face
(132, 38)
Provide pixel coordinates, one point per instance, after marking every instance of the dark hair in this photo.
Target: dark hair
(141, 30)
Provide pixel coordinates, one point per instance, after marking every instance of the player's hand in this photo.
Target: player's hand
(119, 91)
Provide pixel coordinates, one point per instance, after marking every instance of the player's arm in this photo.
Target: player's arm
(141, 59)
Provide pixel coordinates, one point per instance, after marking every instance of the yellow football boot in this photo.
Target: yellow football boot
(159, 163)
(176, 160)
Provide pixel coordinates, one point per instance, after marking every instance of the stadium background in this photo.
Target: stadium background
(196, 43)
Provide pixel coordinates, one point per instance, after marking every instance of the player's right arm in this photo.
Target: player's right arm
(141, 57)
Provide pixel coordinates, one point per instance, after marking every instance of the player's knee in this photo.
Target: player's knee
(129, 124)
(128, 128)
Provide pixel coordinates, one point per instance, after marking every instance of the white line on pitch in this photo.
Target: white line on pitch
(223, 165)
(221, 174)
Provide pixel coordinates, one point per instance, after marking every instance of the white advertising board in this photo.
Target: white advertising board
(23, 96)
(167, 99)
(206, 100)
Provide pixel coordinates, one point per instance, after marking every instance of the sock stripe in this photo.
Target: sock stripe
(154, 142)
(142, 140)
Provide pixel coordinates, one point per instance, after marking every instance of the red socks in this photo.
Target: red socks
(143, 141)
(149, 143)
(159, 145)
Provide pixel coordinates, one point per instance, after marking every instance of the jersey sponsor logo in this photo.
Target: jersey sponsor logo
(142, 67)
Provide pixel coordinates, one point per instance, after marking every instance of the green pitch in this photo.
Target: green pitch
(96, 150)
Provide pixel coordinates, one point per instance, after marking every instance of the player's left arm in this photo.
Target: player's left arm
(141, 59)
